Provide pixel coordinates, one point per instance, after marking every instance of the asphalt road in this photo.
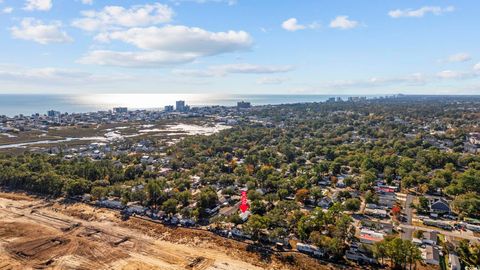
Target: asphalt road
(458, 234)
(408, 231)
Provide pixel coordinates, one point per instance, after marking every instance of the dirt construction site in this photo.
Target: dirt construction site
(39, 234)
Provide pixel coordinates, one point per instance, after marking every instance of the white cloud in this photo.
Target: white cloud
(181, 39)
(477, 67)
(117, 16)
(7, 10)
(413, 79)
(49, 75)
(87, 2)
(43, 33)
(454, 75)
(167, 45)
(460, 75)
(229, 2)
(136, 59)
(42, 5)
(419, 13)
(271, 80)
(224, 70)
(342, 22)
(459, 57)
(293, 25)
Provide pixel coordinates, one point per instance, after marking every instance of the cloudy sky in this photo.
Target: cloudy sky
(240, 46)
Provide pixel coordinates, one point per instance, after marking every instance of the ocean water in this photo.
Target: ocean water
(12, 104)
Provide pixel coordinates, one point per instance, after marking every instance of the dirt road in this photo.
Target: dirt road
(51, 235)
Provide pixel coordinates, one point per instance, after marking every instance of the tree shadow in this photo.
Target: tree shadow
(264, 253)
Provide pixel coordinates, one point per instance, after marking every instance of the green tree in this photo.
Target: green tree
(170, 206)
(352, 204)
(77, 187)
(99, 192)
(255, 225)
(467, 204)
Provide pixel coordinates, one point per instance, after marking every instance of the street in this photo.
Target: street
(458, 234)
(407, 231)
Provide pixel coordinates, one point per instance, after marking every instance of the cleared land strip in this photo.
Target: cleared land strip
(35, 234)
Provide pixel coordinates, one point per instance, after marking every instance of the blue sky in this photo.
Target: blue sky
(240, 46)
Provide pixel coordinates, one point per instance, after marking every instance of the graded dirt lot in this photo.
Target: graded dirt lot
(39, 234)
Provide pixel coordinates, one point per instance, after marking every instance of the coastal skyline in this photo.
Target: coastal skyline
(28, 104)
(239, 47)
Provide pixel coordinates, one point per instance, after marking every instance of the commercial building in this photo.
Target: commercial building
(169, 108)
(180, 106)
(120, 110)
(53, 113)
(243, 105)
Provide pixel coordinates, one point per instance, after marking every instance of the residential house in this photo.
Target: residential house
(372, 206)
(430, 238)
(187, 222)
(244, 215)
(137, 188)
(212, 211)
(354, 255)
(378, 225)
(325, 182)
(325, 203)
(113, 204)
(370, 236)
(135, 209)
(380, 213)
(310, 249)
(431, 255)
(340, 183)
(474, 138)
(470, 148)
(386, 199)
(454, 262)
(440, 207)
(147, 160)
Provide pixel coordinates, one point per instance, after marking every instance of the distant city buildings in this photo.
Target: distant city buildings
(53, 113)
(243, 105)
(169, 108)
(181, 107)
(356, 99)
(474, 138)
(120, 110)
(350, 99)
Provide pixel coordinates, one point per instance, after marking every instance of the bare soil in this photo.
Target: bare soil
(36, 234)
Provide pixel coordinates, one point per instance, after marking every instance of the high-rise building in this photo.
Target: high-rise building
(120, 110)
(243, 105)
(169, 108)
(180, 105)
(53, 113)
